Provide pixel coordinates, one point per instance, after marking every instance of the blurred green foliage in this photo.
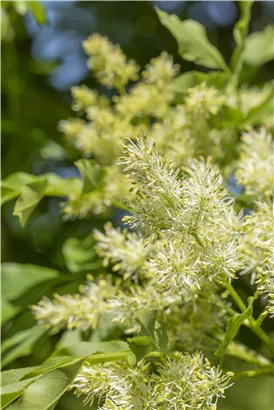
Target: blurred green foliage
(31, 110)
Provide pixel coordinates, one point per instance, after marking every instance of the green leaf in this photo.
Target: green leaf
(12, 185)
(20, 344)
(31, 195)
(259, 48)
(89, 348)
(140, 340)
(38, 11)
(8, 310)
(68, 338)
(141, 346)
(147, 318)
(233, 325)
(18, 278)
(92, 174)
(14, 375)
(14, 381)
(242, 352)
(58, 186)
(50, 364)
(6, 33)
(8, 194)
(161, 335)
(11, 392)
(240, 32)
(20, 286)
(17, 180)
(193, 78)
(45, 391)
(100, 358)
(227, 117)
(80, 255)
(155, 329)
(264, 109)
(192, 41)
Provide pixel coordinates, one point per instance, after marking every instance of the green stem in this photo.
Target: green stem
(196, 237)
(237, 299)
(108, 357)
(261, 334)
(251, 323)
(253, 373)
(261, 318)
(246, 354)
(222, 304)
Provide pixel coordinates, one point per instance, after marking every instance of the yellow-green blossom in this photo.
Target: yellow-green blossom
(109, 63)
(125, 250)
(256, 165)
(180, 381)
(203, 101)
(160, 70)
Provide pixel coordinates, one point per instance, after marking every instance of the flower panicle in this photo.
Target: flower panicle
(255, 168)
(126, 251)
(180, 379)
(109, 63)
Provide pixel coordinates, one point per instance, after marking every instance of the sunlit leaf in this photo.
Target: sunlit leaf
(88, 348)
(265, 108)
(192, 41)
(11, 392)
(20, 344)
(92, 174)
(31, 195)
(80, 254)
(259, 47)
(8, 310)
(233, 325)
(14, 375)
(45, 391)
(12, 185)
(38, 11)
(17, 278)
(50, 364)
(155, 329)
(140, 346)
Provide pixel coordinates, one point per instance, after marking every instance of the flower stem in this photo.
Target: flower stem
(253, 373)
(235, 296)
(251, 323)
(261, 334)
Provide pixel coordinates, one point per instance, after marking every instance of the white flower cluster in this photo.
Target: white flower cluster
(81, 311)
(267, 285)
(256, 165)
(161, 70)
(198, 324)
(180, 382)
(84, 310)
(203, 101)
(190, 214)
(126, 251)
(258, 239)
(109, 62)
(97, 202)
(181, 131)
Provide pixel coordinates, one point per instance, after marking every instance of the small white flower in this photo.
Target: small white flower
(255, 169)
(125, 250)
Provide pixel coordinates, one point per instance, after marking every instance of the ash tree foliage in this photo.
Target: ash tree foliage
(159, 314)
